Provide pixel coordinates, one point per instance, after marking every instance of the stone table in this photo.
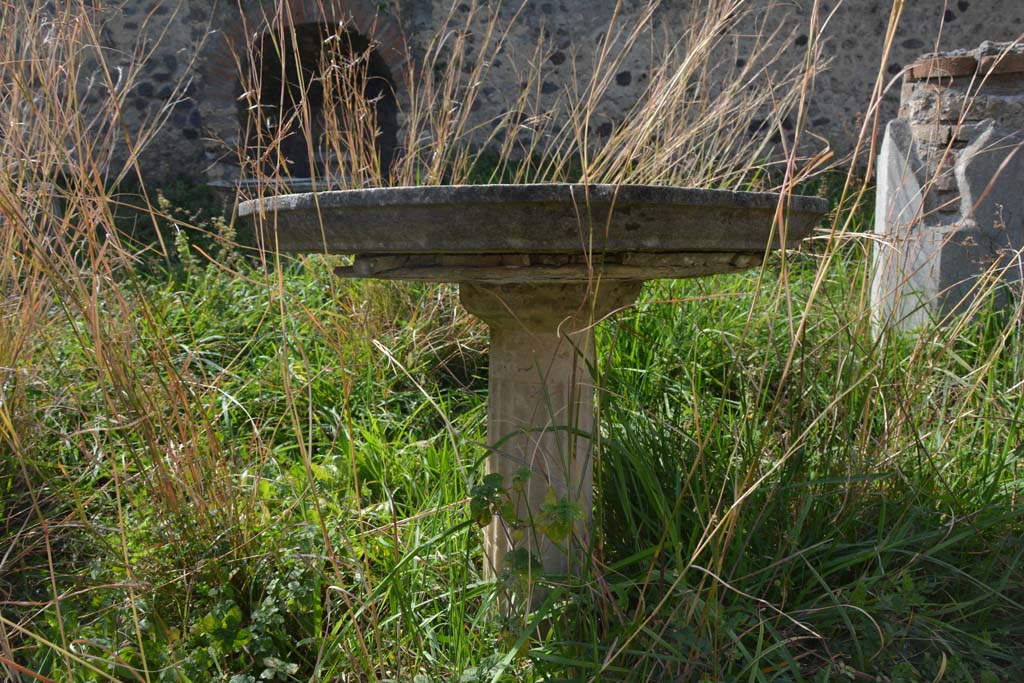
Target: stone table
(540, 264)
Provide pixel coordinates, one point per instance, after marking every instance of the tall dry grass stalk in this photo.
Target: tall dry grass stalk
(133, 423)
(114, 450)
(681, 131)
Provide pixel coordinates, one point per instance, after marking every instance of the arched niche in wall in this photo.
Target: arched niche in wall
(284, 46)
(317, 92)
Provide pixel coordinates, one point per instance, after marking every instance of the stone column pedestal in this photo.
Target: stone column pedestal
(540, 414)
(949, 211)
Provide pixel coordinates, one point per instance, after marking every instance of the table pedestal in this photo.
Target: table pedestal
(540, 412)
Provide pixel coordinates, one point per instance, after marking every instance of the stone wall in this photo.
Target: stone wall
(950, 206)
(193, 44)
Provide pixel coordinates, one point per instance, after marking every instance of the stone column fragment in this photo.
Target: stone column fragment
(949, 213)
(540, 415)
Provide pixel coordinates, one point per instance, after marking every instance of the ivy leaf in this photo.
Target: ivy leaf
(485, 498)
(557, 516)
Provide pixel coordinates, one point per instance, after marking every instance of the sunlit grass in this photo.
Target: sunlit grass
(216, 464)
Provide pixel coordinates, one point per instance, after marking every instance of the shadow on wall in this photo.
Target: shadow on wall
(290, 126)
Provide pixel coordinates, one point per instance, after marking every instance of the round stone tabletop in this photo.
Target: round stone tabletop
(554, 232)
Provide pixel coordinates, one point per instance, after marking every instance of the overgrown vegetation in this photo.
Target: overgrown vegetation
(216, 465)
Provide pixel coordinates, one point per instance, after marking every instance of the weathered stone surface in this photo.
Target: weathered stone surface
(950, 210)
(900, 259)
(540, 410)
(530, 219)
(579, 267)
(205, 36)
(943, 67)
(988, 59)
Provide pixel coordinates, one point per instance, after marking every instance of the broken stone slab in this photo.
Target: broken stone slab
(946, 237)
(949, 214)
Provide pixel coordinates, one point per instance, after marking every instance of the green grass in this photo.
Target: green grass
(220, 466)
(294, 506)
